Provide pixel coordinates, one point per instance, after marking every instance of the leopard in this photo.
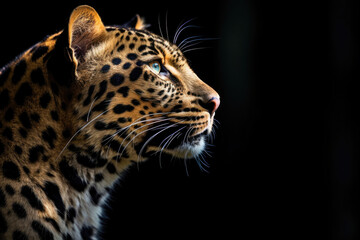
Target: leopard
(82, 106)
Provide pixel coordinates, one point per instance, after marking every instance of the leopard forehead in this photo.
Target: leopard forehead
(146, 45)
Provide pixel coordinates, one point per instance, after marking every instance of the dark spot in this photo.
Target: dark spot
(105, 68)
(24, 91)
(26, 170)
(90, 163)
(117, 79)
(66, 237)
(111, 168)
(24, 119)
(42, 231)
(11, 170)
(99, 125)
(142, 48)
(53, 223)
(99, 177)
(124, 91)
(160, 92)
(122, 46)
(110, 95)
(135, 102)
(53, 193)
(4, 75)
(71, 174)
(131, 56)
(116, 61)
(49, 135)
(19, 71)
(8, 133)
(33, 200)
(39, 52)
(86, 232)
(71, 214)
(45, 100)
(95, 196)
(18, 235)
(102, 90)
(2, 199)
(120, 108)
(102, 106)
(88, 98)
(9, 115)
(19, 210)
(37, 77)
(35, 117)
(4, 99)
(139, 63)
(127, 65)
(9, 189)
(135, 74)
(151, 90)
(54, 115)
(122, 120)
(3, 224)
(18, 149)
(116, 147)
(23, 132)
(66, 133)
(35, 153)
(131, 46)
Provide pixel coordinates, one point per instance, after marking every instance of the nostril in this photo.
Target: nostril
(211, 105)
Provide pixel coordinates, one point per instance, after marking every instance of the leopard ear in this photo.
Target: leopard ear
(85, 29)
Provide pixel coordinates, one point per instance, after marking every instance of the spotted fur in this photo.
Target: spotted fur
(80, 107)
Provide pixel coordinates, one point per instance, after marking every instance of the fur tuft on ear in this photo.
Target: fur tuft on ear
(136, 22)
(85, 29)
(140, 23)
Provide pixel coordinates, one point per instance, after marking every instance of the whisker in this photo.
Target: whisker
(194, 39)
(180, 29)
(166, 25)
(160, 26)
(152, 128)
(168, 142)
(186, 40)
(76, 133)
(172, 125)
(88, 115)
(186, 168)
(146, 120)
(193, 49)
(127, 127)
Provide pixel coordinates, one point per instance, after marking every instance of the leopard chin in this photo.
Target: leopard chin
(189, 149)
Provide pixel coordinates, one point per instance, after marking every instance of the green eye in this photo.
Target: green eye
(155, 66)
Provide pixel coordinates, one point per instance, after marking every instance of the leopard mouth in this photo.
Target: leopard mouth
(180, 142)
(191, 148)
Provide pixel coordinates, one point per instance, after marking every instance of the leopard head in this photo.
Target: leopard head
(136, 94)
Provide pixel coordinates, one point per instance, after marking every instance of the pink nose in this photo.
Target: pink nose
(213, 104)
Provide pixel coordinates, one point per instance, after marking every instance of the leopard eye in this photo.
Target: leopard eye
(155, 66)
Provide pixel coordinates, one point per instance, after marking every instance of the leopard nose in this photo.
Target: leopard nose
(212, 104)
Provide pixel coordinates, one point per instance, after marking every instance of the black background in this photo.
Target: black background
(285, 160)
